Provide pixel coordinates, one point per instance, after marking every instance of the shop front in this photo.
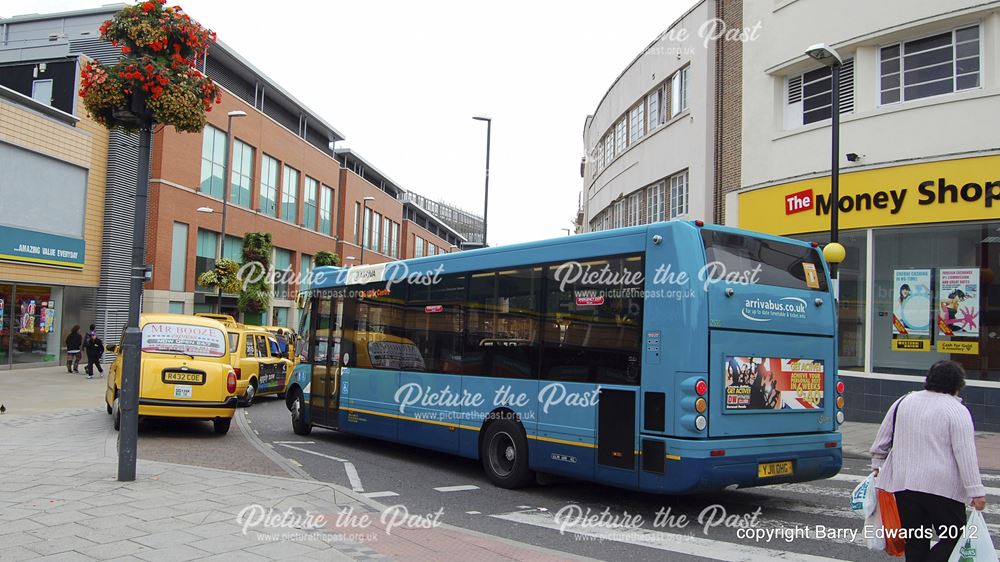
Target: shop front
(920, 280)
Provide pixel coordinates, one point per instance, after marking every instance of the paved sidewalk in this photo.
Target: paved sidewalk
(19, 390)
(858, 438)
(60, 500)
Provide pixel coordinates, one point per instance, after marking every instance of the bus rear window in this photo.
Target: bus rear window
(780, 264)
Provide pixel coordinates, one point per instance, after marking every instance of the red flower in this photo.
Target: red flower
(148, 7)
(126, 50)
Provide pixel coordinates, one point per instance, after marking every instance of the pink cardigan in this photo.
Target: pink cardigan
(934, 449)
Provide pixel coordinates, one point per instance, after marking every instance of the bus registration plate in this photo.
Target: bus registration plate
(767, 470)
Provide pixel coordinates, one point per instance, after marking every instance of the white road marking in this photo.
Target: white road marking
(473, 512)
(295, 462)
(524, 507)
(683, 544)
(462, 488)
(857, 479)
(338, 459)
(352, 475)
(295, 442)
(380, 494)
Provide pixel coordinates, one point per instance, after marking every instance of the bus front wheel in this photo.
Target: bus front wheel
(505, 454)
(297, 409)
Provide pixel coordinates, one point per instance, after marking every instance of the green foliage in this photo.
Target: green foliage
(256, 294)
(326, 258)
(224, 274)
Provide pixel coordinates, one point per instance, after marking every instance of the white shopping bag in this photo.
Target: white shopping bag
(863, 499)
(872, 530)
(975, 544)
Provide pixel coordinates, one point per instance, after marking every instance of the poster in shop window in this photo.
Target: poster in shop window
(772, 383)
(958, 302)
(911, 303)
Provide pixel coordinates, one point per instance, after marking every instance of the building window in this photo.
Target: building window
(653, 109)
(176, 307)
(634, 216)
(242, 176)
(609, 149)
(283, 273)
(679, 92)
(376, 242)
(357, 215)
(206, 250)
(269, 186)
(808, 95)
(232, 248)
(599, 158)
(289, 194)
(213, 158)
(418, 246)
(395, 239)
(366, 240)
(679, 194)
(618, 220)
(309, 203)
(386, 237)
(326, 210)
(305, 266)
(636, 119)
(178, 257)
(620, 140)
(279, 316)
(931, 66)
(655, 211)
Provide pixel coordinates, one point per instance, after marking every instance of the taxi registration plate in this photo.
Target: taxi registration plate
(771, 469)
(182, 377)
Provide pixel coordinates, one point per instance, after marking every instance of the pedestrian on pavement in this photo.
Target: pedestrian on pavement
(74, 341)
(95, 350)
(925, 453)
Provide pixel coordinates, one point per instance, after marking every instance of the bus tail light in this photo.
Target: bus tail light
(701, 387)
(840, 401)
(231, 382)
(718, 453)
(700, 405)
(840, 387)
(840, 417)
(700, 423)
(831, 444)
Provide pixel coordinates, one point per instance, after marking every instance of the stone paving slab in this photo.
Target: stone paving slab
(60, 500)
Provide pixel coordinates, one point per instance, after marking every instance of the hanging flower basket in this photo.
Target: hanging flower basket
(160, 46)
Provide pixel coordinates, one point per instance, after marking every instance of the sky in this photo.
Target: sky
(401, 80)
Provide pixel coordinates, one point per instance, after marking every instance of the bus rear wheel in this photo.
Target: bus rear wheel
(505, 454)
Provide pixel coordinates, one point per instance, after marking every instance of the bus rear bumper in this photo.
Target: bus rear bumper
(740, 462)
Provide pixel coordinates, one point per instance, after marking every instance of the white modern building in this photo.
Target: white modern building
(919, 186)
(651, 144)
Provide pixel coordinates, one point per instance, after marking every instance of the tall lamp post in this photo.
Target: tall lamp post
(833, 252)
(486, 196)
(227, 185)
(364, 234)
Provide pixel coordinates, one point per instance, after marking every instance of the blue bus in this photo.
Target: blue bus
(675, 357)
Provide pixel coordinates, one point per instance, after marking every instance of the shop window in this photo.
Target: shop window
(937, 297)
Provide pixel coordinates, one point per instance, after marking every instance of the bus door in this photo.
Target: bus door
(772, 363)
(324, 400)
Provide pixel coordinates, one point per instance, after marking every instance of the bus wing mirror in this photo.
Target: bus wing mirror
(300, 300)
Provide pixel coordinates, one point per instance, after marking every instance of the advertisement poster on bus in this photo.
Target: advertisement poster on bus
(773, 383)
(911, 302)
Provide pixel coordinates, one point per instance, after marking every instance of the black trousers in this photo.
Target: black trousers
(91, 362)
(945, 515)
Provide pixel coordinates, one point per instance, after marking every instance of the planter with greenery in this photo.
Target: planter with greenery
(325, 258)
(255, 295)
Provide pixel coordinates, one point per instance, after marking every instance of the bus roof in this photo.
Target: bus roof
(591, 244)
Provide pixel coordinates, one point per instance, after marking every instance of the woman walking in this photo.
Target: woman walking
(74, 342)
(925, 453)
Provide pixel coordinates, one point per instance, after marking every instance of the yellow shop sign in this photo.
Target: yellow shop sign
(952, 190)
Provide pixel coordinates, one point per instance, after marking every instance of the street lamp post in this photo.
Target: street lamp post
(486, 191)
(364, 234)
(227, 185)
(833, 251)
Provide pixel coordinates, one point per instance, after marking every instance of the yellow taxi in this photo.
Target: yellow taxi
(260, 367)
(185, 371)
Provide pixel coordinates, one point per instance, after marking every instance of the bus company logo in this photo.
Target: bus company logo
(765, 310)
(798, 202)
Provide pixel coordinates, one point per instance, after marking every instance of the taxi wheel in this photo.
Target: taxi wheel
(251, 392)
(297, 409)
(222, 425)
(118, 414)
